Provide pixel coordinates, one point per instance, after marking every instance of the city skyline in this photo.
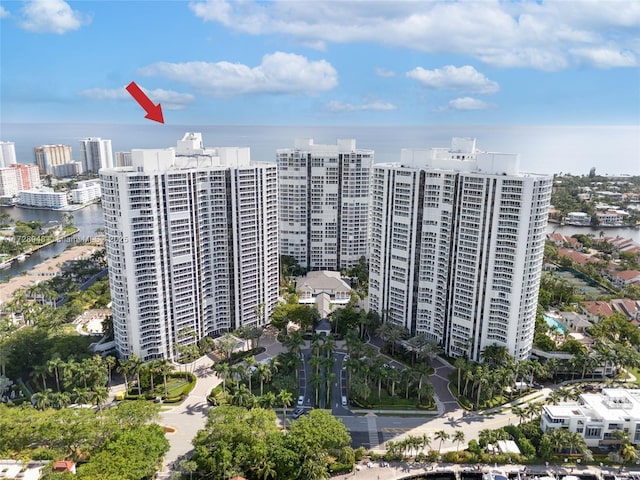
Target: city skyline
(323, 63)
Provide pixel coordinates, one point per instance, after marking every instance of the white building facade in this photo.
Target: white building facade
(457, 240)
(597, 416)
(7, 154)
(324, 203)
(192, 245)
(8, 182)
(85, 192)
(95, 154)
(43, 197)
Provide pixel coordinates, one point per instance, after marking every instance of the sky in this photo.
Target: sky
(358, 62)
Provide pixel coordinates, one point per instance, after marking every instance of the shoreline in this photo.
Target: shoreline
(68, 208)
(5, 264)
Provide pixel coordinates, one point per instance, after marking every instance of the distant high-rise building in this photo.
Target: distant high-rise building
(324, 203)
(28, 176)
(18, 177)
(48, 156)
(457, 239)
(7, 154)
(8, 182)
(123, 159)
(192, 245)
(95, 154)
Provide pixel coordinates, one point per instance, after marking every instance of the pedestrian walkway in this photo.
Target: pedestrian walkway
(372, 425)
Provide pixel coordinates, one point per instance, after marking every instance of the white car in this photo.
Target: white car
(344, 401)
(300, 400)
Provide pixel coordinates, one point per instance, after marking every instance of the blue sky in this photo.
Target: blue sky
(289, 62)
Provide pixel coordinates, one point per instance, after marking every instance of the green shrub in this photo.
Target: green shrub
(359, 453)
(340, 467)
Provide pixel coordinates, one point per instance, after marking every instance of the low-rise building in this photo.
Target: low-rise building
(624, 278)
(86, 191)
(43, 197)
(597, 416)
(326, 284)
(577, 218)
(66, 170)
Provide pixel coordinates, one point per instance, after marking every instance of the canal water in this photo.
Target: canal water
(87, 220)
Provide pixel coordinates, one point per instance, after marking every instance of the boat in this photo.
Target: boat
(4, 265)
(495, 474)
(21, 258)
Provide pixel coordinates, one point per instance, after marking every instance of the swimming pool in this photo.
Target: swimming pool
(553, 322)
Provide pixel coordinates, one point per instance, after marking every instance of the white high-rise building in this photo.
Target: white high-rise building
(324, 203)
(457, 239)
(122, 159)
(95, 154)
(7, 154)
(192, 245)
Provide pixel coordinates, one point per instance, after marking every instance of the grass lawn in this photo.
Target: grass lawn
(387, 402)
(175, 386)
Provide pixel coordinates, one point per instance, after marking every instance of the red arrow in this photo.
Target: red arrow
(154, 112)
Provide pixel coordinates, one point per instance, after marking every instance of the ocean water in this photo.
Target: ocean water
(542, 149)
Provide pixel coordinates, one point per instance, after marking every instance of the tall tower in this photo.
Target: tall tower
(7, 154)
(95, 154)
(48, 156)
(457, 239)
(324, 203)
(192, 245)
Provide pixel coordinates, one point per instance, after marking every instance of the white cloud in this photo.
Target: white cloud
(4, 13)
(279, 72)
(606, 58)
(51, 16)
(384, 73)
(542, 35)
(169, 99)
(468, 103)
(465, 78)
(336, 106)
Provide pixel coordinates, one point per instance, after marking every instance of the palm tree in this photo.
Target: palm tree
(60, 399)
(629, 453)
(264, 375)
(251, 363)
(409, 377)
(520, 413)
(53, 366)
(268, 400)
(222, 370)
(442, 436)
(425, 441)
(42, 399)
(243, 397)
(41, 371)
(286, 399)
(165, 367)
(295, 341)
(136, 365)
(460, 364)
(266, 470)
(125, 369)
(110, 362)
(100, 396)
(458, 437)
(152, 368)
